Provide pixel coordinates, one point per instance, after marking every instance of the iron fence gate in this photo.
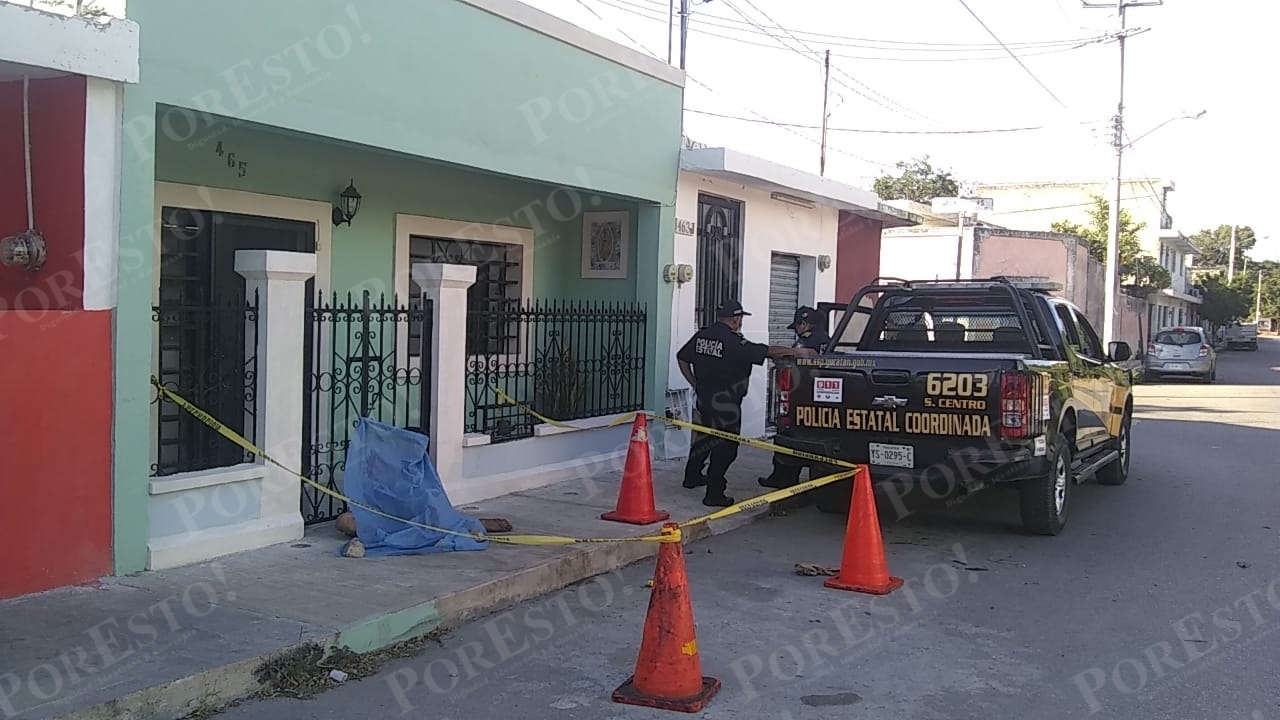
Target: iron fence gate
(364, 358)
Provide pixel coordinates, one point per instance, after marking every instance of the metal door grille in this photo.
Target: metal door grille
(719, 270)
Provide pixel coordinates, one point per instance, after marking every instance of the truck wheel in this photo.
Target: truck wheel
(1116, 472)
(1046, 500)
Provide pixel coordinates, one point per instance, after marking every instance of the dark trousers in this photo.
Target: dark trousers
(786, 471)
(718, 452)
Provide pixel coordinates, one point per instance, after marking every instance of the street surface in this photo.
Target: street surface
(1160, 600)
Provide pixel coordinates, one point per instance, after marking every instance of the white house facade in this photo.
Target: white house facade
(761, 233)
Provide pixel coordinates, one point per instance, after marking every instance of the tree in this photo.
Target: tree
(1222, 303)
(1144, 273)
(1246, 284)
(1215, 246)
(919, 181)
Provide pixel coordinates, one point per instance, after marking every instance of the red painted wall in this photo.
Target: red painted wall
(857, 254)
(55, 448)
(57, 177)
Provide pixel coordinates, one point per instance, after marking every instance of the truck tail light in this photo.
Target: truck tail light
(1015, 404)
(1204, 351)
(782, 385)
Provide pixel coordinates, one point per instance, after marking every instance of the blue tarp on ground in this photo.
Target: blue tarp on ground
(388, 469)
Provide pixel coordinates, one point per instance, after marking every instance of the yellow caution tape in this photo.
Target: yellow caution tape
(630, 417)
(508, 400)
(672, 535)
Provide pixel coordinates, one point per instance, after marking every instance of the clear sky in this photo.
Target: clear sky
(929, 65)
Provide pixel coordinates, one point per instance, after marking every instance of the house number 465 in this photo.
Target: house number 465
(240, 166)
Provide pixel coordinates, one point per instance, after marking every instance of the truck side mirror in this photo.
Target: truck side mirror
(1119, 351)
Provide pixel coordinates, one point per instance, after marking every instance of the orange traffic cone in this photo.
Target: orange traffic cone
(863, 568)
(635, 499)
(668, 672)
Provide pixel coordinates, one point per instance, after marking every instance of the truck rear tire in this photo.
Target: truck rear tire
(1045, 501)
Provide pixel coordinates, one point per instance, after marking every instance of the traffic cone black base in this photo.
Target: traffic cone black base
(627, 694)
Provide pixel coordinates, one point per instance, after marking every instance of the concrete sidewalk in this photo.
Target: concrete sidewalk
(163, 645)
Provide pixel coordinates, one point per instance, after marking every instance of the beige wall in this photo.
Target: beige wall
(1064, 259)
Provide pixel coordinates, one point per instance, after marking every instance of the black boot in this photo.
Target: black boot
(717, 501)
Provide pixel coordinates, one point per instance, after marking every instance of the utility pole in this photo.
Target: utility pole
(671, 16)
(684, 29)
(1113, 235)
(1231, 258)
(826, 92)
(1257, 303)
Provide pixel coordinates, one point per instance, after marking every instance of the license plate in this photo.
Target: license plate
(1177, 366)
(903, 456)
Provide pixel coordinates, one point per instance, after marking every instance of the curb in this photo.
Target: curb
(216, 687)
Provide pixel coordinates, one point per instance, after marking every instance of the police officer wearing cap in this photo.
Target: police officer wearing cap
(786, 470)
(717, 363)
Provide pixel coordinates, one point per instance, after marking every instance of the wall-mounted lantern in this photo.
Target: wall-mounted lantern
(824, 263)
(348, 205)
(25, 251)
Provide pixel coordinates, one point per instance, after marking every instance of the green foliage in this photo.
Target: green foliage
(1223, 303)
(1215, 246)
(919, 181)
(1246, 284)
(1142, 271)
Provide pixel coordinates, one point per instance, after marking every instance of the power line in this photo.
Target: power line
(689, 77)
(817, 37)
(1011, 53)
(884, 101)
(871, 131)
(1054, 49)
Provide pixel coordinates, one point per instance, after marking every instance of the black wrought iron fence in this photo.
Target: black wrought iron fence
(566, 359)
(208, 354)
(366, 357)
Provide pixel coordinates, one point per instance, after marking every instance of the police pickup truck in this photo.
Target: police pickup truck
(943, 386)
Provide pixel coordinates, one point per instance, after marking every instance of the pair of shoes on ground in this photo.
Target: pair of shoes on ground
(709, 500)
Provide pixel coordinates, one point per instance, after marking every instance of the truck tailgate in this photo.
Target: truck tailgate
(902, 405)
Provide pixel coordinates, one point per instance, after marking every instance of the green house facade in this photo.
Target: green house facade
(515, 178)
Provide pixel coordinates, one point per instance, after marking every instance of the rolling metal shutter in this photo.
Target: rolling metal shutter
(784, 297)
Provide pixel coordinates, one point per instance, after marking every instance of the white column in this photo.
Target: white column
(446, 287)
(280, 279)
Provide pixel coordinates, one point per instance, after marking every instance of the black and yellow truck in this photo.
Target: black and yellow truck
(950, 386)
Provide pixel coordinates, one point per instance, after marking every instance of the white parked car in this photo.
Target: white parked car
(1182, 352)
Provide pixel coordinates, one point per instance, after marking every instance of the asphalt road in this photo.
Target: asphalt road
(1160, 600)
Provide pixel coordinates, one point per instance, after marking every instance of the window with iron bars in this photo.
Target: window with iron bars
(492, 301)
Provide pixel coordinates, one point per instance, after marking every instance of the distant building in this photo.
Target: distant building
(1037, 205)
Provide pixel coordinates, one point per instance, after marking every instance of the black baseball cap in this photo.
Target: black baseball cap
(730, 308)
(803, 314)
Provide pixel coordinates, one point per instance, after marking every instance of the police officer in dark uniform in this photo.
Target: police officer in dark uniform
(786, 469)
(717, 362)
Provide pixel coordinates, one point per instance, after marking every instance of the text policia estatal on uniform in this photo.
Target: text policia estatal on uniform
(888, 421)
